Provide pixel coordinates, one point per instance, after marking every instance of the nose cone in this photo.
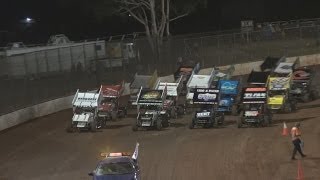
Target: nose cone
(278, 99)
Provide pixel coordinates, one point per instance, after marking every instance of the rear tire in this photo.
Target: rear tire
(221, 123)
(103, 123)
(70, 128)
(234, 110)
(287, 108)
(134, 126)
(306, 98)
(191, 125)
(93, 126)
(240, 120)
(113, 117)
(265, 122)
(314, 95)
(159, 125)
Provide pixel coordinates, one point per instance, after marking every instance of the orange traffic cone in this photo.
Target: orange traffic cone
(300, 171)
(285, 129)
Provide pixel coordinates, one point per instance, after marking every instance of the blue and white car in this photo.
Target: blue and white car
(118, 166)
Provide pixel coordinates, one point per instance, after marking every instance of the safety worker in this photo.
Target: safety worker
(296, 141)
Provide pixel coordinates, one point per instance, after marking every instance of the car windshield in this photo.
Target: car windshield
(114, 168)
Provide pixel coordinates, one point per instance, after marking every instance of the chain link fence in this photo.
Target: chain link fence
(237, 47)
(209, 50)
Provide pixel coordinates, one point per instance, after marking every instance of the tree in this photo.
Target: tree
(156, 15)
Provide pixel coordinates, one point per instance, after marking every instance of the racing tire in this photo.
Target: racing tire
(306, 98)
(166, 122)
(314, 95)
(93, 126)
(125, 113)
(234, 110)
(113, 117)
(191, 125)
(287, 108)
(239, 122)
(175, 114)
(103, 123)
(159, 125)
(134, 127)
(221, 123)
(265, 122)
(70, 129)
(293, 106)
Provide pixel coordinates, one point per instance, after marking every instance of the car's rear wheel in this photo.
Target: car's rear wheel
(240, 120)
(159, 124)
(93, 126)
(134, 126)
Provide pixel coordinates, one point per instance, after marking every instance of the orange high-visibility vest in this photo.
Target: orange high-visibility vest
(295, 133)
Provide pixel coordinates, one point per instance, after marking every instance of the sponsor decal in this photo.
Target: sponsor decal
(151, 95)
(203, 114)
(207, 97)
(256, 89)
(255, 95)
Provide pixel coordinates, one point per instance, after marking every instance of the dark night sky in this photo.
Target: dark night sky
(76, 19)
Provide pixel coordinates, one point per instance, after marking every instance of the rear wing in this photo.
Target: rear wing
(254, 95)
(153, 79)
(141, 80)
(302, 75)
(112, 91)
(173, 89)
(284, 68)
(201, 81)
(270, 63)
(206, 96)
(86, 99)
(279, 83)
(195, 71)
(229, 87)
(258, 78)
(151, 97)
(224, 74)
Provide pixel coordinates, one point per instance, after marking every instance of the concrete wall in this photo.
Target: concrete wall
(23, 115)
(246, 68)
(43, 109)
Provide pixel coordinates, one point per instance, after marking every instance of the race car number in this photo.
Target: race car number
(251, 113)
(203, 114)
(146, 124)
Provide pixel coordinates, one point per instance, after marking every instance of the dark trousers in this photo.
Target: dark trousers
(297, 147)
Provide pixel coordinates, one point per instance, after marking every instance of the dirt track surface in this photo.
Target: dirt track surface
(42, 149)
